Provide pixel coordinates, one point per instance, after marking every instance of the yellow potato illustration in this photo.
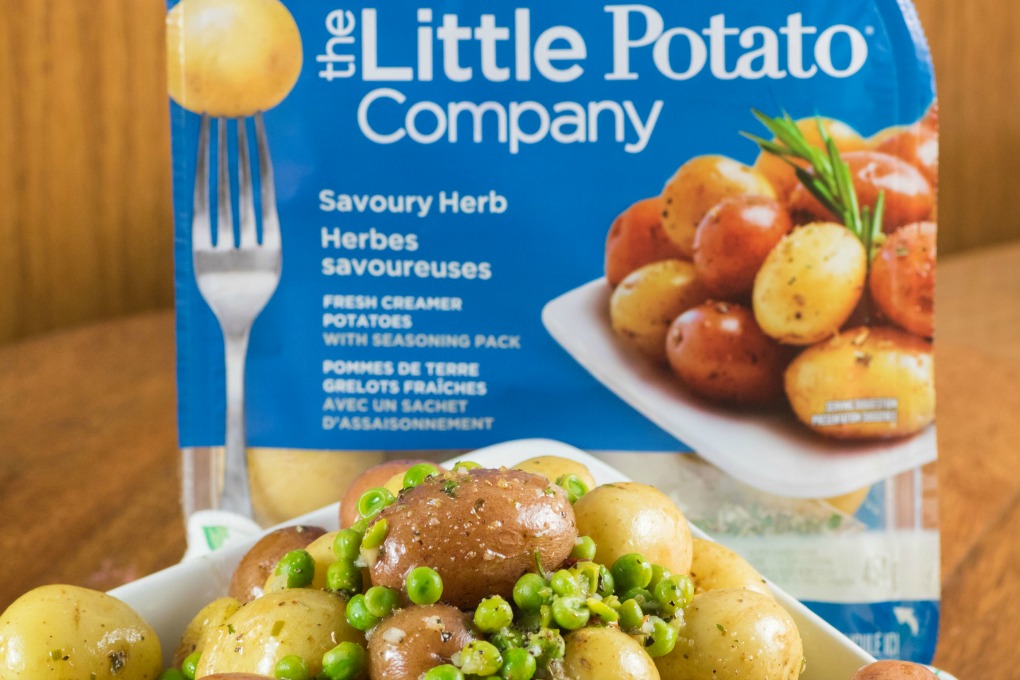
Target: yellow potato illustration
(231, 57)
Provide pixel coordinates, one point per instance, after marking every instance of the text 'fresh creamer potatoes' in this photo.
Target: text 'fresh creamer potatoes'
(697, 239)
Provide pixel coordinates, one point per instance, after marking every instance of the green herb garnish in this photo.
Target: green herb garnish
(829, 179)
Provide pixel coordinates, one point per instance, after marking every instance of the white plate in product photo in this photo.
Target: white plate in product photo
(170, 598)
(770, 451)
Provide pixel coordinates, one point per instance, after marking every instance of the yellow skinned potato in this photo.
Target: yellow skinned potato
(810, 284)
(213, 614)
(321, 476)
(894, 670)
(645, 304)
(629, 517)
(698, 186)
(602, 653)
(321, 550)
(554, 467)
(716, 567)
(864, 364)
(231, 57)
(299, 621)
(67, 633)
(734, 634)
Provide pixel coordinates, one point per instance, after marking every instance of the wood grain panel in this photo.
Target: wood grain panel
(85, 204)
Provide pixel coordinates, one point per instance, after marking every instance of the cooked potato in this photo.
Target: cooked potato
(893, 670)
(213, 614)
(719, 352)
(554, 467)
(258, 563)
(321, 550)
(782, 176)
(603, 653)
(321, 476)
(231, 57)
(716, 567)
(918, 145)
(865, 383)
(902, 280)
(645, 304)
(636, 239)
(375, 476)
(698, 186)
(810, 284)
(66, 632)
(733, 241)
(734, 634)
(300, 621)
(416, 639)
(629, 517)
(480, 529)
(909, 197)
(237, 676)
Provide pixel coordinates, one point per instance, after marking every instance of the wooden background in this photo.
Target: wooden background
(85, 205)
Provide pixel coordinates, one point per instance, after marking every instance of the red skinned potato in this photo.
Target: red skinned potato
(720, 353)
(782, 175)
(416, 639)
(258, 563)
(733, 241)
(909, 196)
(480, 529)
(636, 239)
(893, 670)
(919, 146)
(369, 479)
(902, 279)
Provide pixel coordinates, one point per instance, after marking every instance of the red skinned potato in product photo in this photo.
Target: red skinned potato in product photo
(733, 241)
(909, 196)
(902, 279)
(636, 239)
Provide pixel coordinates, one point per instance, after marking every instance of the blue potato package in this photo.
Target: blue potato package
(697, 239)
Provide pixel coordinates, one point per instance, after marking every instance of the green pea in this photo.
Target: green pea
(564, 583)
(602, 610)
(343, 576)
(531, 592)
(444, 672)
(347, 544)
(644, 598)
(189, 665)
(361, 525)
(631, 615)
(480, 658)
(346, 661)
(380, 601)
(299, 568)
(373, 501)
(632, 571)
(466, 465)
(536, 620)
(518, 665)
(573, 485)
(659, 572)
(291, 667)
(674, 594)
(570, 613)
(607, 584)
(358, 615)
(172, 674)
(417, 474)
(376, 534)
(549, 643)
(587, 576)
(507, 638)
(584, 548)
(424, 586)
(662, 640)
(492, 614)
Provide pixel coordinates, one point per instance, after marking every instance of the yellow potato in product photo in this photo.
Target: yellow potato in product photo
(231, 58)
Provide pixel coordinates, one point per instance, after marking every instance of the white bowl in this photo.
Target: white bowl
(170, 598)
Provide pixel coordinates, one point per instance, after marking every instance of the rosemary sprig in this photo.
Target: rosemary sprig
(829, 179)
